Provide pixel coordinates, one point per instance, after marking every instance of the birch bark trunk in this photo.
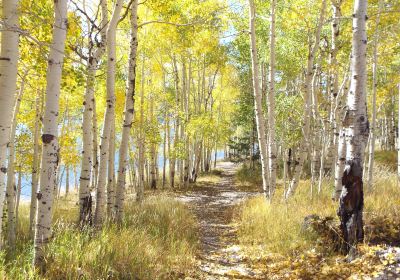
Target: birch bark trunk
(11, 187)
(88, 158)
(141, 142)
(109, 114)
(356, 129)
(153, 152)
(374, 89)
(50, 151)
(128, 116)
(260, 121)
(19, 189)
(271, 106)
(334, 84)
(398, 139)
(66, 180)
(9, 55)
(35, 168)
(111, 173)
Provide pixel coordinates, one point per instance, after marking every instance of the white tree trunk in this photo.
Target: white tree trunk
(67, 167)
(8, 84)
(356, 127)
(307, 98)
(85, 199)
(153, 150)
(356, 119)
(374, 88)
(11, 188)
(109, 114)
(35, 168)
(111, 173)
(141, 138)
(50, 152)
(95, 158)
(398, 140)
(19, 189)
(271, 105)
(128, 116)
(260, 121)
(334, 84)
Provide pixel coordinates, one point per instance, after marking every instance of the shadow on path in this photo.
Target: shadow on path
(213, 204)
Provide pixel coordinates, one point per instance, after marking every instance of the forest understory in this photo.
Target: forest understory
(220, 228)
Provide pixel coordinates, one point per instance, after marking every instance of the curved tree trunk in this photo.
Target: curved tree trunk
(8, 84)
(50, 135)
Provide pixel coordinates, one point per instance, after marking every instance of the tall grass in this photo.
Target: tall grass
(156, 241)
(277, 227)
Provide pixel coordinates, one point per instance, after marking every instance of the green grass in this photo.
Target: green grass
(156, 241)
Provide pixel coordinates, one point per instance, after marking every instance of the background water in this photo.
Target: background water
(27, 179)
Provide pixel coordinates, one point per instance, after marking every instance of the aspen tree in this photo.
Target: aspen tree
(260, 121)
(11, 187)
(141, 138)
(356, 127)
(128, 116)
(307, 86)
(50, 150)
(18, 199)
(67, 167)
(109, 114)
(398, 138)
(88, 135)
(9, 56)
(374, 88)
(35, 168)
(271, 105)
(153, 151)
(176, 125)
(110, 186)
(334, 83)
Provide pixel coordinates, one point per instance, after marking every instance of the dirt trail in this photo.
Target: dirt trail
(213, 204)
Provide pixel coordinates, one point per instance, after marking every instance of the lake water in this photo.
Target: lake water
(27, 179)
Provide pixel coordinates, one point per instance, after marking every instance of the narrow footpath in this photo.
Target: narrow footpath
(213, 204)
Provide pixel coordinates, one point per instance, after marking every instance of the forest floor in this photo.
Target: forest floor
(213, 202)
(225, 209)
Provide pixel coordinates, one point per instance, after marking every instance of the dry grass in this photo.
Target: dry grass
(277, 226)
(156, 241)
(272, 233)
